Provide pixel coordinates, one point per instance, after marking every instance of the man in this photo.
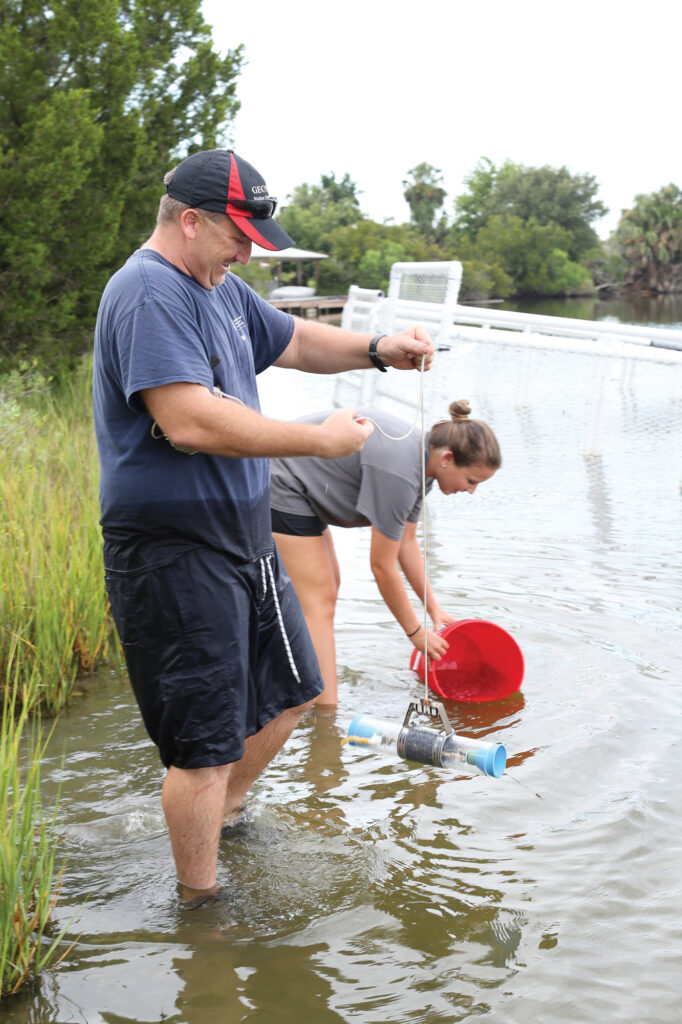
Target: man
(216, 646)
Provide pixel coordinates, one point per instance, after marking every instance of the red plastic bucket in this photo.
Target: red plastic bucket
(482, 662)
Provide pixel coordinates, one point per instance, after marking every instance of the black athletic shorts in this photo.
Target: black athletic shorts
(295, 525)
(207, 654)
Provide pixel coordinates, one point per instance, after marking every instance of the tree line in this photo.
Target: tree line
(99, 99)
(518, 231)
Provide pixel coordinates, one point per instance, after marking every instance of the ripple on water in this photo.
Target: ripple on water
(372, 890)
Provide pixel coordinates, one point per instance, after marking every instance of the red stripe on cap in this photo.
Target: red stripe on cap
(237, 211)
(235, 189)
(247, 225)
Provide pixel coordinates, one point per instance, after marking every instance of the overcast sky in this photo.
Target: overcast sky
(373, 88)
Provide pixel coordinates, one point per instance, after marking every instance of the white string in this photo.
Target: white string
(424, 553)
(420, 408)
(420, 412)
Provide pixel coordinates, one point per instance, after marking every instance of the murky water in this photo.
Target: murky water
(640, 309)
(371, 890)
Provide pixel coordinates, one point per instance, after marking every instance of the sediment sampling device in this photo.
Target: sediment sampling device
(436, 743)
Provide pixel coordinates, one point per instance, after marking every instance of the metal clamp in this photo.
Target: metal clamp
(424, 744)
(432, 709)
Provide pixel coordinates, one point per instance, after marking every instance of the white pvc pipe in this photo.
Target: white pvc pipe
(613, 348)
(574, 328)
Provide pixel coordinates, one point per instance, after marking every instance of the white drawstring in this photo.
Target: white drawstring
(267, 560)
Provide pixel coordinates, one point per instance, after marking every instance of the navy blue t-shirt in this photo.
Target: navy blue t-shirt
(155, 326)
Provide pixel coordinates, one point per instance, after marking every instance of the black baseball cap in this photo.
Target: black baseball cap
(219, 180)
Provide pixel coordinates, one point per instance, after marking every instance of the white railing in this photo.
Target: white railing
(431, 289)
(589, 337)
(427, 293)
(450, 323)
(359, 307)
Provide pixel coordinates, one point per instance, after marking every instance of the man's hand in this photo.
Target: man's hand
(342, 434)
(406, 350)
(190, 416)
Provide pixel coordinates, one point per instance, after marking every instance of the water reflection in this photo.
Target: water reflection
(486, 719)
(368, 889)
(599, 503)
(653, 310)
(400, 915)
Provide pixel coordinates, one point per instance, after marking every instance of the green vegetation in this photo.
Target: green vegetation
(532, 224)
(518, 231)
(97, 101)
(424, 194)
(53, 610)
(30, 875)
(54, 625)
(546, 195)
(533, 256)
(650, 237)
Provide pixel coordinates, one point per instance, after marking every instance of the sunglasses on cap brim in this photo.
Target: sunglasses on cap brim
(261, 209)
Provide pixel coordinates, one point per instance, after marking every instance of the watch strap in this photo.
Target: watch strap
(373, 353)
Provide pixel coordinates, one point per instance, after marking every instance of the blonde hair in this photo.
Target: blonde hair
(169, 209)
(472, 442)
(172, 209)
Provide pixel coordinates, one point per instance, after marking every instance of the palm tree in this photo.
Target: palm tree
(650, 237)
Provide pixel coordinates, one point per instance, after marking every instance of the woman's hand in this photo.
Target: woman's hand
(436, 645)
(441, 618)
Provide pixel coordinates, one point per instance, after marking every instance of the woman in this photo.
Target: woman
(380, 486)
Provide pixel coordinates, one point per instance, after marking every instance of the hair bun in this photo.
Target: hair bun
(459, 410)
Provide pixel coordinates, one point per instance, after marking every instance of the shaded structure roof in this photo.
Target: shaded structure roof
(300, 256)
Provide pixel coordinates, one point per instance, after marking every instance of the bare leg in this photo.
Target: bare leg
(259, 751)
(314, 571)
(196, 799)
(193, 801)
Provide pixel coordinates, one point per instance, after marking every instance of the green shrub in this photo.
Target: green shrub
(30, 875)
(54, 620)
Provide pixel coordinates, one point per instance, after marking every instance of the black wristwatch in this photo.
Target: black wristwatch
(373, 352)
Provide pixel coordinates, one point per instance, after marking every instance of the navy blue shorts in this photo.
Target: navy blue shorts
(295, 525)
(206, 654)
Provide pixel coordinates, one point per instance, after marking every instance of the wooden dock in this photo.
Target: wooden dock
(319, 306)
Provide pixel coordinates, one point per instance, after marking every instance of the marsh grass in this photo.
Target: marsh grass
(30, 875)
(53, 609)
(54, 626)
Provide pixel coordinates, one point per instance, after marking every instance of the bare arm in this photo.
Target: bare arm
(322, 348)
(412, 563)
(191, 416)
(384, 562)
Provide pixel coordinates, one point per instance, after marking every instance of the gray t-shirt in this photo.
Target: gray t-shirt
(380, 485)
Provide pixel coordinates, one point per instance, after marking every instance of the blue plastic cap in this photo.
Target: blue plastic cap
(361, 725)
(492, 760)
